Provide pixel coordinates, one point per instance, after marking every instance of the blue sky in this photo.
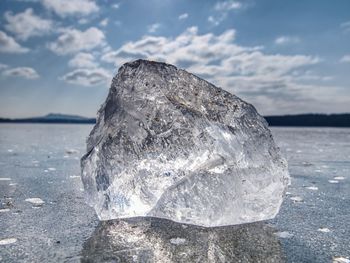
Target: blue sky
(281, 56)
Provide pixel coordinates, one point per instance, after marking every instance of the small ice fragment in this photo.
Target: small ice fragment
(52, 169)
(74, 176)
(324, 230)
(71, 151)
(340, 260)
(296, 199)
(339, 178)
(306, 163)
(10, 150)
(314, 188)
(333, 181)
(288, 193)
(284, 234)
(65, 156)
(3, 210)
(7, 241)
(178, 241)
(35, 201)
(5, 179)
(46, 171)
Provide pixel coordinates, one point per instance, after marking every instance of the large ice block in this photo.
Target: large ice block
(168, 144)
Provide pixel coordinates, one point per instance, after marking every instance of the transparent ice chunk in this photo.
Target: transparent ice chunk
(168, 144)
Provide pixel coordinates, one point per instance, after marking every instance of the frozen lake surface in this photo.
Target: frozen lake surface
(43, 216)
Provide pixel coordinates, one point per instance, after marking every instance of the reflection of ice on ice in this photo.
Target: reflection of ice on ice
(160, 240)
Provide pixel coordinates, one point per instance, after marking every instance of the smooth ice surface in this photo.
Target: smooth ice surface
(168, 144)
(325, 154)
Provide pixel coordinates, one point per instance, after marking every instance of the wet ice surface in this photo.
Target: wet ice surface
(65, 229)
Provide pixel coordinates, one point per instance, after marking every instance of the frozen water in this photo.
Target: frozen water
(66, 218)
(168, 144)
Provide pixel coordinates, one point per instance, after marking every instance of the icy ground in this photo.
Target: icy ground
(43, 217)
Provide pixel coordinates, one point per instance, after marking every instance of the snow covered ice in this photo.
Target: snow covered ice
(168, 144)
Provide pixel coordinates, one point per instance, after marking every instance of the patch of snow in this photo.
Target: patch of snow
(314, 188)
(324, 230)
(296, 199)
(178, 241)
(35, 201)
(339, 178)
(7, 241)
(333, 181)
(284, 234)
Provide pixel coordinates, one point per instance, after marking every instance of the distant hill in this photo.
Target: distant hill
(310, 120)
(52, 118)
(301, 120)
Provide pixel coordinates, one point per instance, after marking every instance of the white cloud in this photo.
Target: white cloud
(73, 40)
(9, 45)
(23, 72)
(26, 24)
(215, 21)
(83, 60)
(345, 26)
(104, 22)
(266, 80)
(153, 28)
(87, 77)
(286, 40)
(3, 66)
(345, 59)
(65, 8)
(222, 8)
(227, 5)
(83, 21)
(116, 6)
(183, 16)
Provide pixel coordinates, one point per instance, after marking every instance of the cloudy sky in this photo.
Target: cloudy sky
(283, 56)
